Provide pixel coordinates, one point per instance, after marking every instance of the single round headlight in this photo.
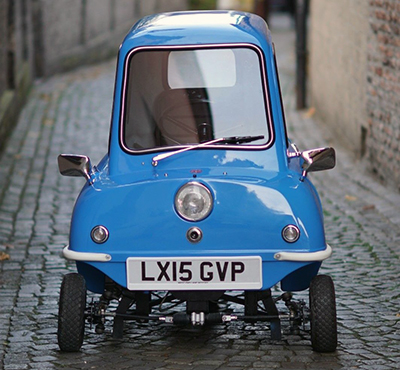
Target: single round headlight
(99, 234)
(291, 233)
(193, 201)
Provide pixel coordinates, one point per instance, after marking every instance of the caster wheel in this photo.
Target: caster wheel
(71, 313)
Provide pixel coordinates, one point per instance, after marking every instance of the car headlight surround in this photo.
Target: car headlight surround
(193, 201)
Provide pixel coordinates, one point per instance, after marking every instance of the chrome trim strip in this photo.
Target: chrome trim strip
(304, 257)
(85, 256)
(263, 64)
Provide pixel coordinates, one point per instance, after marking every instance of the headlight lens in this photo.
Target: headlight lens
(291, 233)
(193, 202)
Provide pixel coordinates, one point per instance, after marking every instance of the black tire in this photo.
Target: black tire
(71, 313)
(323, 314)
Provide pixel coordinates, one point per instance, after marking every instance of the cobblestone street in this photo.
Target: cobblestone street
(70, 113)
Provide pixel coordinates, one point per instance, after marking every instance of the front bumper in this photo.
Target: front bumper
(294, 268)
(280, 256)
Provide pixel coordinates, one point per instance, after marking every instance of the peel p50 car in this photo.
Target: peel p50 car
(201, 198)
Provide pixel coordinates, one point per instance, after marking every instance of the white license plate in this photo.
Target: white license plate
(194, 273)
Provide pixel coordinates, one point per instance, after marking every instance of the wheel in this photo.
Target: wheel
(323, 314)
(71, 313)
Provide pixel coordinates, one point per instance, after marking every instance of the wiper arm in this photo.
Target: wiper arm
(223, 140)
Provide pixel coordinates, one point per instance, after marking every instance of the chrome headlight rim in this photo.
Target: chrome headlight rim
(200, 189)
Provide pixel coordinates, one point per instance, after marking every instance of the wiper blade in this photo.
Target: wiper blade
(222, 140)
(241, 139)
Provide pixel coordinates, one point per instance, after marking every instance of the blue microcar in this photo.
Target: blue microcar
(201, 198)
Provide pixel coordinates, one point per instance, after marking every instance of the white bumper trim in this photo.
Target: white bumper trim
(280, 256)
(304, 257)
(85, 256)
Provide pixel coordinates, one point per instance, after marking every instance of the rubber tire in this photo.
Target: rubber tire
(323, 314)
(71, 313)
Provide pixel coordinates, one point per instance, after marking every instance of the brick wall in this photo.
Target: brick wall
(383, 96)
(354, 78)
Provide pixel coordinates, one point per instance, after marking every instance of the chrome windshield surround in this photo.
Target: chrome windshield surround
(264, 83)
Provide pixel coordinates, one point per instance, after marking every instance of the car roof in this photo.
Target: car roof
(198, 27)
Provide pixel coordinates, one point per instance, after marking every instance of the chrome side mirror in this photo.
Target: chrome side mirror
(318, 160)
(75, 165)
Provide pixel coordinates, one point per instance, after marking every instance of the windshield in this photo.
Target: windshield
(188, 96)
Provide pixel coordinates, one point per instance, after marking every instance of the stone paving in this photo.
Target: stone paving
(71, 113)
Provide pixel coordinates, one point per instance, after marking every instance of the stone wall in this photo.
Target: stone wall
(3, 47)
(83, 31)
(42, 37)
(338, 35)
(354, 73)
(16, 59)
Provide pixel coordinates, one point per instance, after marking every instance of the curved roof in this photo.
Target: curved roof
(198, 27)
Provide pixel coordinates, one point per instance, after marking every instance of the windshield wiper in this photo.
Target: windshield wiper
(221, 140)
(241, 139)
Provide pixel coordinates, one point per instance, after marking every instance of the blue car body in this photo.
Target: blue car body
(256, 190)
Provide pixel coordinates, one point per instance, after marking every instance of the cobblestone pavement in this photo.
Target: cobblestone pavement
(71, 113)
